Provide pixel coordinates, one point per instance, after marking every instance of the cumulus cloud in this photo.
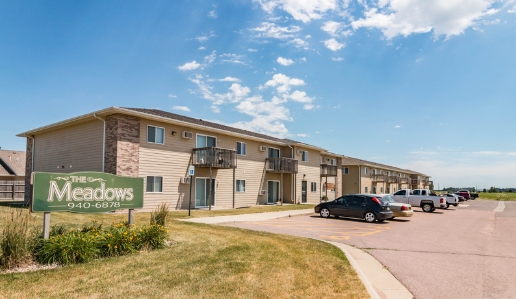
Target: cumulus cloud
(181, 108)
(283, 83)
(406, 17)
(229, 79)
(285, 61)
(333, 44)
(189, 66)
(271, 30)
(332, 28)
(304, 11)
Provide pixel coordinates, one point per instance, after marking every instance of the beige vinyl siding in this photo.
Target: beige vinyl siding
(79, 146)
(350, 181)
(312, 170)
(171, 160)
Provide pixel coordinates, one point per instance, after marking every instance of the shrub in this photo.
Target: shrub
(118, 239)
(16, 240)
(151, 236)
(69, 248)
(159, 216)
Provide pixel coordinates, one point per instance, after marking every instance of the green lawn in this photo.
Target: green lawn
(203, 261)
(497, 196)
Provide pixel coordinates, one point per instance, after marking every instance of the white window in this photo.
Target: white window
(365, 171)
(313, 186)
(154, 184)
(365, 189)
(388, 173)
(381, 171)
(155, 134)
(333, 162)
(304, 156)
(241, 148)
(374, 171)
(240, 186)
(206, 141)
(374, 189)
(345, 170)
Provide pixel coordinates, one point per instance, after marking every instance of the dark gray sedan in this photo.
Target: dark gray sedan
(365, 206)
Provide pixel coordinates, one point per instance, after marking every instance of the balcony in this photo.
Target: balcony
(214, 157)
(281, 165)
(378, 178)
(392, 179)
(403, 180)
(415, 181)
(328, 170)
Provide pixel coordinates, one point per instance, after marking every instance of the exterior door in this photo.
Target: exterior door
(303, 192)
(273, 191)
(202, 192)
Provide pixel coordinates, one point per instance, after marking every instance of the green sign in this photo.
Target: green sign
(85, 192)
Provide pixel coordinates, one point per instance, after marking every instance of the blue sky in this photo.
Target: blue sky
(424, 85)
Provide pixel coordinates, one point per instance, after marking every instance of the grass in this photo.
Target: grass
(203, 261)
(507, 196)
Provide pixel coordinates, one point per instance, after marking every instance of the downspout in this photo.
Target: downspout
(103, 140)
(359, 180)
(292, 179)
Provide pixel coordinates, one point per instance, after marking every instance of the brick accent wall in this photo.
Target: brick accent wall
(122, 145)
(338, 179)
(28, 171)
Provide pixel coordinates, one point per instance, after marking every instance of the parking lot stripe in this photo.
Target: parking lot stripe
(500, 208)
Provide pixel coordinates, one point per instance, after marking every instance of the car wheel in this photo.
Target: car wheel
(427, 207)
(446, 206)
(370, 217)
(325, 213)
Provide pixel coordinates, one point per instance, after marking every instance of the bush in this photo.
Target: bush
(16, 240)
(93, 241)
(159, 216)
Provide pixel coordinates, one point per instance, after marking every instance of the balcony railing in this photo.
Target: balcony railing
(404, 180)
(378, 177)
(281, 165)
(415, 181)
(214, 157)
(328, 170)
(392, 179)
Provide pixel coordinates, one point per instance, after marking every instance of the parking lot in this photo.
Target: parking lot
(463, 252)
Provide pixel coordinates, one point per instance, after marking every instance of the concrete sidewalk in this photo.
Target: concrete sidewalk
(379, 282)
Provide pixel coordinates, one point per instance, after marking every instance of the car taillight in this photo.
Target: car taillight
(376, 200)
(403, 208)
(442, 200)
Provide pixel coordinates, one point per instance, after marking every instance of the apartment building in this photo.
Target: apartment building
(361, 176)
(232, 167)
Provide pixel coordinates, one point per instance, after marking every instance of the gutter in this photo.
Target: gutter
(103, 140)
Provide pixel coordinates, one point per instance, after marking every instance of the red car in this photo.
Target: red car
(464, 193)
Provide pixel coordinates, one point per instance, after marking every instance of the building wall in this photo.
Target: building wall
(309, 171)
(350, 181)
(171, 160)
(122, 145)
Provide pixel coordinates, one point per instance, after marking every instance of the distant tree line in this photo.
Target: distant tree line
(473, 189)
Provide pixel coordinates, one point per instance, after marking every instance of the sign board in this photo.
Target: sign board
(85, 192)
(191, 171)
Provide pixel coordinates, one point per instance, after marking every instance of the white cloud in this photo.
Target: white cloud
(512, 10)
(201, 48)
(285, 61)
(182, 108)
(283, 83)
(337, 58)
(229, 79)
(304, 11)
(300, 96)
(397, 127)
(172, 95)
(302, 135)
(189, 66)
(488, 153)
(212, 14)
(406, 17)
(271, 30)
(333, 44)
(299, 43)
(303, 59)
(252, 50)
(232, 58)
(205, 37)
(332, 28)
(209, 59)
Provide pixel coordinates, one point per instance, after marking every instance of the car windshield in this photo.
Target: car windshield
(388, 199)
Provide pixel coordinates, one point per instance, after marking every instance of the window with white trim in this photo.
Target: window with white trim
(365, 189)
(205, 141)
(333, 162)
(374, 171)
(304, 156)
(241, 148)
(240, 186)
(313, 186)
(374, 189)
(345, 170)
(154, 184)
(155, 135)
(365, 171)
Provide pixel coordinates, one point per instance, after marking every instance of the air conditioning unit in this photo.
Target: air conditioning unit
(263, 148)
(300, 152)
(185, 180)
(187, 135)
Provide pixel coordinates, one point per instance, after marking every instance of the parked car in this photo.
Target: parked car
(398, 209)
(420, 198)
(369, 207)
(451, 199)
(464, 193)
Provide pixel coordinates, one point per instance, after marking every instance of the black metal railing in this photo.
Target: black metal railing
(214, 157)
(281, 165)
(328, 170)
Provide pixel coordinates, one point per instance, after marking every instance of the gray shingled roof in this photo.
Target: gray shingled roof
(12, 162)
(354, 161)
(205, 123)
